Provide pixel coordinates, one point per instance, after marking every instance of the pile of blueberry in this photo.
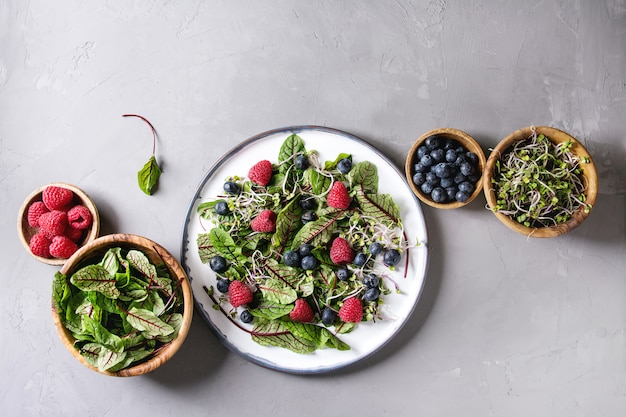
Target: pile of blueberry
(445, 170)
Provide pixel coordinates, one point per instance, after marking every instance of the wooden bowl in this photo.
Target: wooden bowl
(94, 251)
(556, 136)
(463, 139)
(25, 231)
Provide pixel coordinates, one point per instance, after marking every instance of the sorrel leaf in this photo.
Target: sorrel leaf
(148, 175)
(141, 263)
(147, 321)
(275, 333)
(365, 174)
(271, 311)
(379, 206)
(95, 278)
(287, 224)
(205, 249)
(278, 291)
(291, 146)
(102, 358)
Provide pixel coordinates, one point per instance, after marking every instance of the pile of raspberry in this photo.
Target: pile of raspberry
(60, 223)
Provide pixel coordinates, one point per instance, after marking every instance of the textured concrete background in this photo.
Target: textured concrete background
(506, 326)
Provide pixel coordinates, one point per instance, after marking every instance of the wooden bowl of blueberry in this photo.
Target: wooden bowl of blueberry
(444, 168)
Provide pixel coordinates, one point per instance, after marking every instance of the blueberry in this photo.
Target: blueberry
(345, 165)
(391, 257)
(467, 169)
(451, 155)
(450, 144)
(459, 178)
(291, 258)
(221, 208)
(461, 196)
(432, 142)
(371, 280)
(466, 187)
(427, 188)
(459, 160)
(371, 294)
(360, 259)
(218, 264)
(308, 216)
(432, 179)
(222, 285)
(446, 182)
(427, 161)
(474, 178)
(438, 154)
(343, 274)
(421, 151)
(443, 170)
(419, 167)
(309, 262)
(301, 162)
(439, 195)
(231, 187)
(246, 316)
(451, 193)
(419, 178)
(305, 249)
(375, 248)
(328, 316)
(471, 157)
(308, 203)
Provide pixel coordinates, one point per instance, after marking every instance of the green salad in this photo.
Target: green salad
(315, 244)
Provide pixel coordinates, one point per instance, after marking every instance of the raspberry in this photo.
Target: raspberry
(338, 196)
(239, 293)
(79, 217)
(351, 311)
(261, 172)
(62, 247)
(302, 311)
(35, 210)
(40, 245)
(74, 234)
(57, 198)
(341, 252)
(264, 222)
(53, 223)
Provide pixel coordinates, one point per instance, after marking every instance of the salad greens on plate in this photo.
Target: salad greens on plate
(315, 244)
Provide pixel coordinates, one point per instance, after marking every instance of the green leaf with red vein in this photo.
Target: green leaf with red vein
(146, 321)
(95, 278)
(278, 291)
(379, 206)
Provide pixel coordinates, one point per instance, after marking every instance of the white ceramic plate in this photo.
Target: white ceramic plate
(366, 338)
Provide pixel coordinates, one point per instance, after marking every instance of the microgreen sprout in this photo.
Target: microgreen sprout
(538, 183)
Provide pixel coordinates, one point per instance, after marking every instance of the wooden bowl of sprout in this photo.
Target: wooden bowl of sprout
(540, 182)
(122, 305)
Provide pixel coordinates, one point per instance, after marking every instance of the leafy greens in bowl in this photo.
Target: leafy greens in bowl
(122, 305)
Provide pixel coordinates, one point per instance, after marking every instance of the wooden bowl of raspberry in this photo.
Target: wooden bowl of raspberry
(56, 220)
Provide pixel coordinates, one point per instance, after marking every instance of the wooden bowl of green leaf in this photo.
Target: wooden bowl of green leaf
(540, 182)
(122, 305)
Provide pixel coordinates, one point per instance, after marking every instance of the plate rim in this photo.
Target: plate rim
(295, 129)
